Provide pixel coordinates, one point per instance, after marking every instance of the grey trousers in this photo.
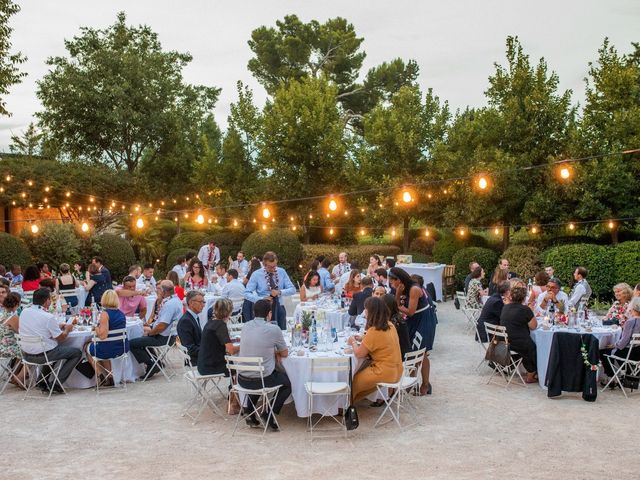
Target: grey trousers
(71, 356)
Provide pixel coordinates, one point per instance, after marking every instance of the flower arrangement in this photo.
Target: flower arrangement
(585, 358)
(307, 319)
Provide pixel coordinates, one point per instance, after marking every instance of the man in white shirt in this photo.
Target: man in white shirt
(240, 264)
(553, 296)
(342, 267)
(180, 267)
(37, 322)
(209, 255)
(581, 291)
(146, 282)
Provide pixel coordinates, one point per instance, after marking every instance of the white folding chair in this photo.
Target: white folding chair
(35, 368)
(472, 315)
(10, 372)
(235, 319)
(483, 345)
(67, 295)
(235, 329)
(401, 398)
(623, 366)
(118, 335)
(267, 395)
(328, 367)
(507, 372)
(462, 299)
(237, 305)
(159, 353)
(26, 299)
(203, 388)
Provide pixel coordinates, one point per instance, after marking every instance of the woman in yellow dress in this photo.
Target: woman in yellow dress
(381, 343)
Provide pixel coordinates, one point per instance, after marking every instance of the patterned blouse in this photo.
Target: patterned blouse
(474, 294)
(618, 313)
(9, 347)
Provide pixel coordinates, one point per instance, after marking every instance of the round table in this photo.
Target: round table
(209, 299)
(335, 318)
(81, 335)
(543, 339)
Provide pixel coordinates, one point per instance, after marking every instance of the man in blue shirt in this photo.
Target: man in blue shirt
(156, 334)
(270, 282)
(325, 276)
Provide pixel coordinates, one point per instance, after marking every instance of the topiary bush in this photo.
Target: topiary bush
(54, 244)
(597, 259)
(423, 245)
(173, 256)
(449, 244)
(116, 253)
(524, 260)
(283, 242)
(358, 253)
(191, 240)
(627, 263)
(486, 257)
(14, 250)
(419, 257)
(229, 238)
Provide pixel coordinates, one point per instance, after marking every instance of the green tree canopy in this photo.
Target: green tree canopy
(9, 73)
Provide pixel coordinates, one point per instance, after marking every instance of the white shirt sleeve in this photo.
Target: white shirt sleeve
(53, 327)
(578, 293)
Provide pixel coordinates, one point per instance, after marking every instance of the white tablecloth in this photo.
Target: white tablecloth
(337, 318)
(209, 299)
(132, 370)
(430, 273)
(543, 339)
(151, 303)
(81, 293)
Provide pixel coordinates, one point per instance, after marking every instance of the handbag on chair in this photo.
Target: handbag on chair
(351, 420)
(498, 352)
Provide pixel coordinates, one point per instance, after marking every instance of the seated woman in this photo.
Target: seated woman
(620, 310)
(310, 289)
(475, 290)
(621, 348)
(215, 342)
(31, 280)
(97, 284)
(398, 321)
(66, 283)
(173, 276)
(374, 264)
(111, 318)
(43, 268)
(196, 277)
(353, 285)
(519, 321)
(381, 343)
(80, 273)
(539, 286)
(499, 276)
(9, 323)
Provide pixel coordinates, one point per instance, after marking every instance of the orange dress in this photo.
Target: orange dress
(386, 364)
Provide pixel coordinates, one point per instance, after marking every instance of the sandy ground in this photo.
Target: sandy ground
(466, 429)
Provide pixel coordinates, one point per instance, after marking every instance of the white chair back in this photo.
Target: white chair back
(237, 303)
(330, 364)
(235, 319)
(235, 329)
(239, 365)
(26, 299)
(497, 331)
(119, 335)
(413, 362)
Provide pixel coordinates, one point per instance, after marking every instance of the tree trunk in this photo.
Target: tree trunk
(178, 225)
(614, 236)
(405, 234)
(306, 237)
(505, 237)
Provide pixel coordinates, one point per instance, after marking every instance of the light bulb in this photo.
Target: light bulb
(331, 231)
(333, 206)
(140, 223)
(565, 173)
(482, 183)
(572, 226)
(235, 223)
(84, 227)
(200, 219)
(34, 229)
(406, 197)
(266, 213)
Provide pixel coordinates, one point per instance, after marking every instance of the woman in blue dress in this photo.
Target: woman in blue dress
(111, 318)
(415, 304)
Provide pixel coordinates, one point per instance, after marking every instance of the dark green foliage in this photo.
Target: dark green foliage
(54, 244)
(627, 263)
(423, 245)
(174, 254)
(523, 260)
(116, 254)
(13, 250)
(486, 257)
(449, 244)
(190, 240)
(283, 242)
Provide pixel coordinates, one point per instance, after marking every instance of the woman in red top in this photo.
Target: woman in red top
(353, 285)
(31, 280)
(173, 276)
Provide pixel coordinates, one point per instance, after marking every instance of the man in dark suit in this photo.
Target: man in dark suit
(357, 303)
(189, 328)
(492, 309)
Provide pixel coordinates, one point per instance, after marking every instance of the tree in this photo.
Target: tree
(118, 96)
(28, 143)
(302, 149)
(9, 73)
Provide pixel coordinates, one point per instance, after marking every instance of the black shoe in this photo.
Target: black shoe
(273, 425)
(57, 389)
(152, 370)
(43, 385)
(252, 421)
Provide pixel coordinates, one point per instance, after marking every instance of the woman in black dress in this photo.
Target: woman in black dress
(215, 342)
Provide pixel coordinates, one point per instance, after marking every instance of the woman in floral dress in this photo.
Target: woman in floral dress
(9, 347)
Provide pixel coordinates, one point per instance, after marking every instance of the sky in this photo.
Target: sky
(455, 43)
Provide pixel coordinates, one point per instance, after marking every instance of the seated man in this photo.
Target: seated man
(131, 300)
(220, 279)
(15, 275)
(341, 268)
(357, 304)
(467, 279)
(36, 321)
(262, 339)
(240, 264)
(156, 334)
(180, 267)
(553, 296)
(381, 278)
(189, 328)
(234, 288)
(146, 282)
(492, 309)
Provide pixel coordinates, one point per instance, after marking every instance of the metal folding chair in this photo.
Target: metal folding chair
(35, 368)
(623, 366)
(507, 372)
(159, 353)
(10, 372)
(119, 335)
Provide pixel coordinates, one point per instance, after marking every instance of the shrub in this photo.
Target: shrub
(523, 260)
(423, 245)
(486, 257)
(191, 240)
(228, 238)
(627, 262)
(54, 244)
(598, 259)
(283, 242)
(358, 253)
(173, 256)
(449, 244)
(419, 257)
(14, 250)
(116, 254)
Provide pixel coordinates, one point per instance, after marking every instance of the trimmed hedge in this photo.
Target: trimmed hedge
(597, 259)
(486, 257)
(524, 260)
(283, 242)
(14, 250)
(173, 256)
(627, 263)
(449, 244)
(116, 253)
(423, 245)
(359, 253)
(54, 244)
(191, 240)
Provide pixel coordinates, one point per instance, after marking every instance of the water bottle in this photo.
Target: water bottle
(59, 306)
(552, 314)
(314, 333)
(94, 313)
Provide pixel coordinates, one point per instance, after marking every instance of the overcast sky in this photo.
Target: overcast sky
(455, 43)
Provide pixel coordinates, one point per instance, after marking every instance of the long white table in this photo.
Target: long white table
(335, 318)
(430, 273)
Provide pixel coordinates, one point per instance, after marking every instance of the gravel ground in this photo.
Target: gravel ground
(466, 429)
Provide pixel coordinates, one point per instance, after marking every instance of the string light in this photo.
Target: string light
(46, 189)
(140, 223)
(572, 226)
(8, 178)
(34, 229)
(363, 231)
(462, 232)
(264, 227)
(429, 196)
(483, 183)
(565, 173)
(426, 232)
(200, 219)
(496, 231)
(235, 223)
(331, 231)
(30, 183)
(393, 232)
(333, 205)
(67, 194)
(294, 228)
(84, 227)
(266, 213)
(611, 225)
(534, 230)
(407, 197)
